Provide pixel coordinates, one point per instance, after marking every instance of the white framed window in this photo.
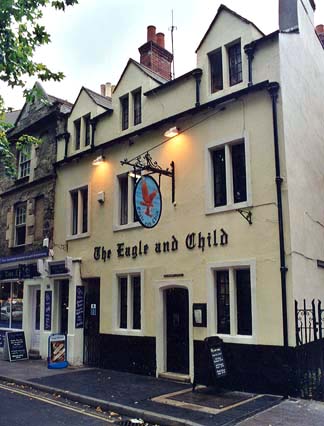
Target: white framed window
(232, 304)
(11, 304)
(24, 162)
(234, 52)
(129, 293)
(79, 212)
(125, 213)
(137, 106)
(20, 224)
(77, 134)
(228, 175)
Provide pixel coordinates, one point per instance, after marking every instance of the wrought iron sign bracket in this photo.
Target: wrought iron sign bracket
(145, 163)
(247, 214)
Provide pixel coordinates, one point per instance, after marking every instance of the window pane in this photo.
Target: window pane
(87, 130)
(77, 129)
(243, 297)
(124, 108)
(220, 198)
(123, 191)
(123, 302)
(17, 305)
(24, 162)
(75, 206)
(216, 71)
(223, 302)
(235, 63)
(20, 225)
(5, 304)
(137, 107)
(239, 173)
(20, 235)
(84, 197)
(136, 284)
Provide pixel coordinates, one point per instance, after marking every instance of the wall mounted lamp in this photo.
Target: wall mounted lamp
(173, 131)
(99, 160)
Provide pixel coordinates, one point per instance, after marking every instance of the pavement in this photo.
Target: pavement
(160, 401)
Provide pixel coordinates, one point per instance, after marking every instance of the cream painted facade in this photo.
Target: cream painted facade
(106, 250)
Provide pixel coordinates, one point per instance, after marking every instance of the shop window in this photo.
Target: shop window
(235, 63)
(124, 103)
(86, 120)
(233, 301)
(137, 104)
(228, 176)
(11, 305)
(129, 300)
(20, 224)
(79, 211)
(216, 71)
(127, 212)
(77, 133)
(24, 162)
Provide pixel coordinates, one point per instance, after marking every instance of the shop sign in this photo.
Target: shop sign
(192, 241)
(26, 256)
(57, 351)
(22, 271)
(58, 268)
(79, 307)
(16, 345)
(48, 311)
(147, 201)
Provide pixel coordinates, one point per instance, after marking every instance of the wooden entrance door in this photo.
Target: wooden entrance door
(177, 328)
(91, 351)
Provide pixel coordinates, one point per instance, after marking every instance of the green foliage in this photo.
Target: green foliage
(20, 34)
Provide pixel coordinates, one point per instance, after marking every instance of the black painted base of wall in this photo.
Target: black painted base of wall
(251, 368)
(128, 353)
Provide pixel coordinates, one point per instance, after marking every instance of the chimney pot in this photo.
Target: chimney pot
(151, 33)
(160, 39)
(102, 89)
(320, 32)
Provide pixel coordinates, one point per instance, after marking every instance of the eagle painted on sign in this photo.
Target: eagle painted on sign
(147, 201)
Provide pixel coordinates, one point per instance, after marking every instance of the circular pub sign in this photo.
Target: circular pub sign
(147, 201)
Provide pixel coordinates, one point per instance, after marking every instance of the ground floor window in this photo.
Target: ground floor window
(233, 301)
(129, 301)
(11, 304)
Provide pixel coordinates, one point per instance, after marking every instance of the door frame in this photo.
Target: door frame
(160, 321)
(33, 292)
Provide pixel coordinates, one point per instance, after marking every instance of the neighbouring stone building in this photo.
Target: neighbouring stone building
(27, 216)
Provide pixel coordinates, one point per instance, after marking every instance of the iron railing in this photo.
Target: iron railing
(309, 322)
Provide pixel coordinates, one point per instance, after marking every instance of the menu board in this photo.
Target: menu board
(79, 307)
(48, 311)
(217, 358)
(16, 345)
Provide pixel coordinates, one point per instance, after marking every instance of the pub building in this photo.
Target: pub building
(186, 207)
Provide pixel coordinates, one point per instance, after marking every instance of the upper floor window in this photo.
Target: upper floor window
(79, 211)
(24, 162)
(127, 212)
(216, 70)
(129, 301)
(86, 120)
(20, 224)
(137, 103)
(235, 63)
(77, 133)
(124, 102)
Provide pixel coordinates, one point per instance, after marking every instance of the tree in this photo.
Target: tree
(20, 35)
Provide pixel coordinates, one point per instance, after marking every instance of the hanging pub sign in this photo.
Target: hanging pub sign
(57, 353)
(147, 201)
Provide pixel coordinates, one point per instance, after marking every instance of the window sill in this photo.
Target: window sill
(228, 207)
(78, 236)
(22, 180)
(237, 339)
(132, 225)
(127, 332)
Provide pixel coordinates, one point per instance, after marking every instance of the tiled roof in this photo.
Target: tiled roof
(103, 101)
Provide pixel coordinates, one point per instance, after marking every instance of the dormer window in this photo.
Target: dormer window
(216, 70)
(124, 103)
(137, 103)
(87, 129)
(77, 133)
(235, 63)
(24, 162)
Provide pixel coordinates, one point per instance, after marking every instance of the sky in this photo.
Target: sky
(92, 41)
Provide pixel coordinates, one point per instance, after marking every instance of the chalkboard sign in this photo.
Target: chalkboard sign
(218, 361)
(79, 307)
(2, 338)
(16, 345)
(48, 311)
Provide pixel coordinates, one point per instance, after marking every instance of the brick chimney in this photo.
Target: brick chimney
(154, 55)
(320, 32)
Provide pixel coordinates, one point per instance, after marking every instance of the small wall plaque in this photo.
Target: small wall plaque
(199, 312)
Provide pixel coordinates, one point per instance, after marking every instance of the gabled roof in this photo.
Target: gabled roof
(11, 116)
(222, 8)
(103, 101)
(156, 77)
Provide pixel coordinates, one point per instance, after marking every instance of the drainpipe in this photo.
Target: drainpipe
(273, 89)
(197, 73)
(249, 50)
